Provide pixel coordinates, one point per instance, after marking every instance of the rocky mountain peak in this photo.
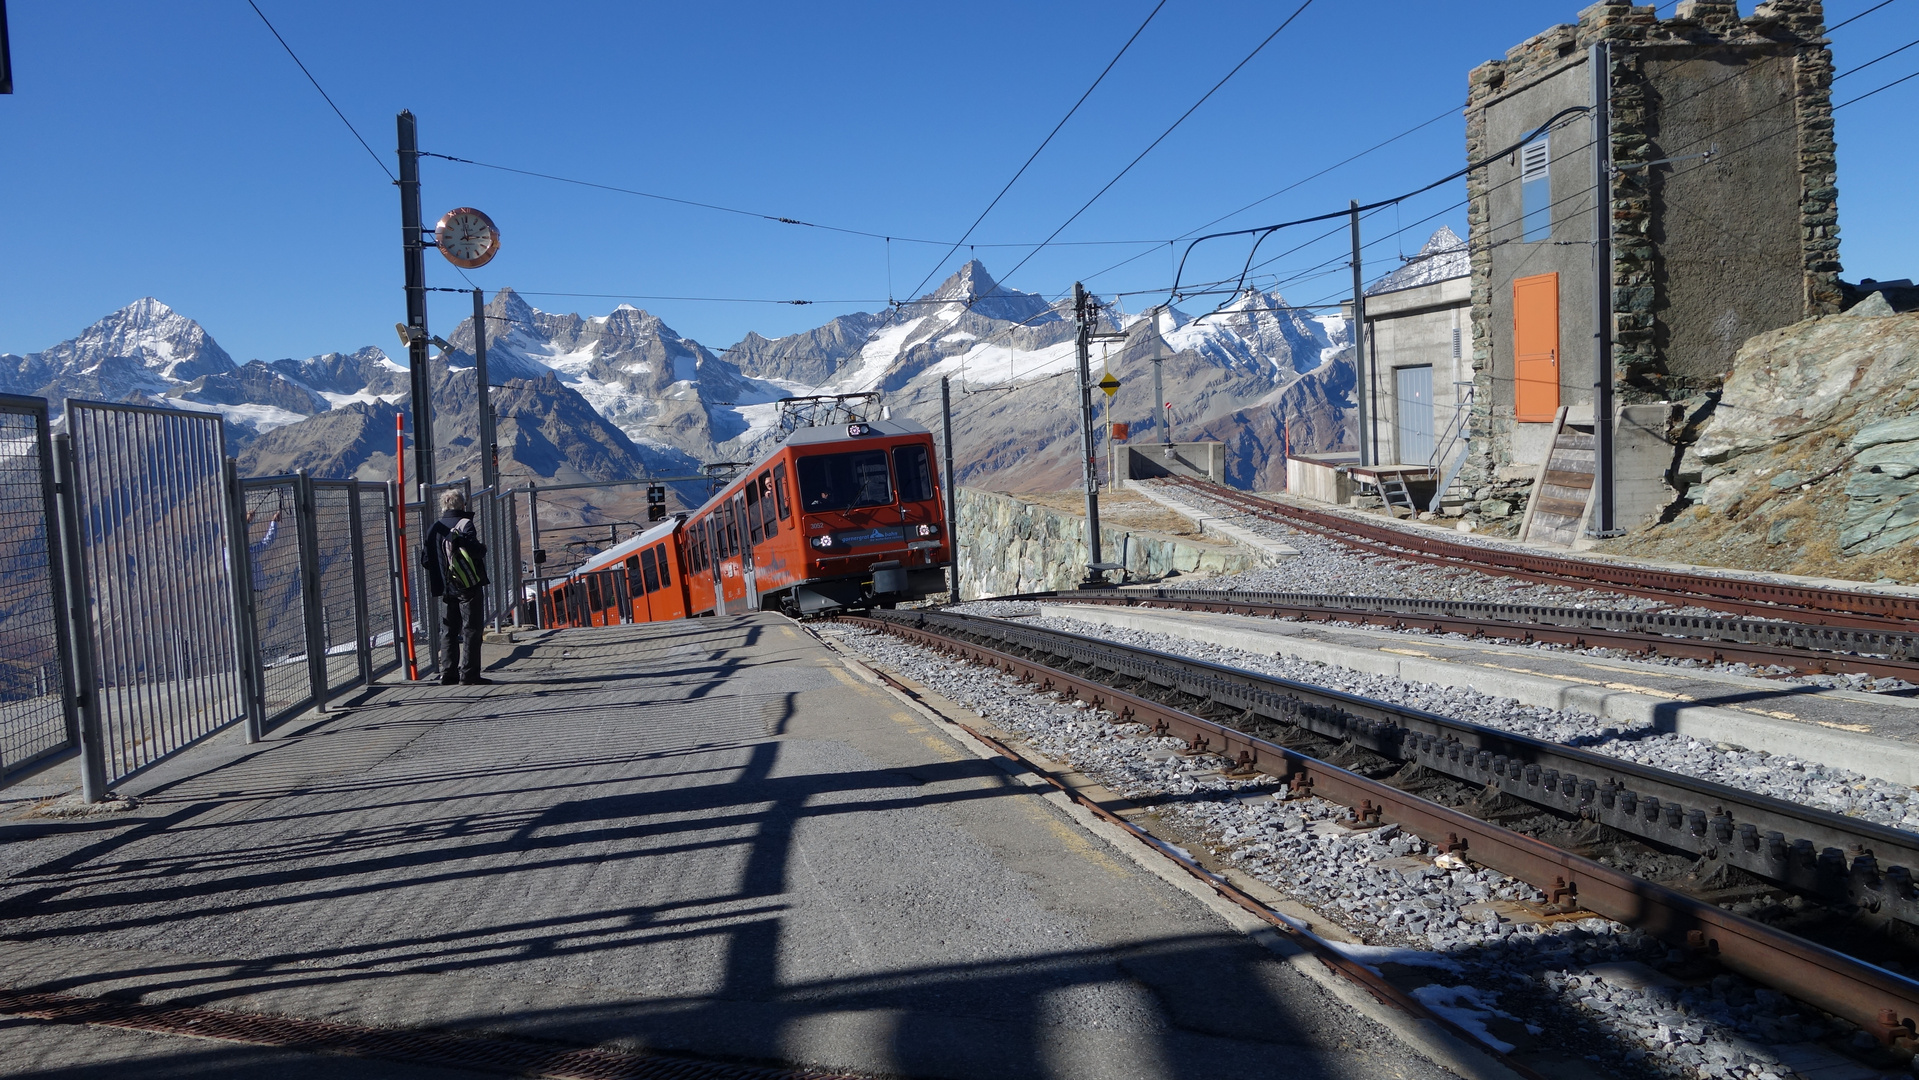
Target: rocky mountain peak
(171, 345)
(972, 285)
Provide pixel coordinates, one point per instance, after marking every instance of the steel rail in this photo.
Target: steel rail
(1839, 607)
(1799, 646)
(1835, 858)
(1378, 986)
(1879, 1001)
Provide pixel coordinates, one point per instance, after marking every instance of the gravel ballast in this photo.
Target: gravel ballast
(1587, 985)
(1807, 783)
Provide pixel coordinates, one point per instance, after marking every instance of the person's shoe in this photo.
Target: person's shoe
(478, 680)
(449, 682)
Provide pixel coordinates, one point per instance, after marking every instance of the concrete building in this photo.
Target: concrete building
(1722, 224)
(1419, 372)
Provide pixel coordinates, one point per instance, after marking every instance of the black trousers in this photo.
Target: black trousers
(465, 622)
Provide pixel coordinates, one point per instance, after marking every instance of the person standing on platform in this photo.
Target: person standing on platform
(454, 562)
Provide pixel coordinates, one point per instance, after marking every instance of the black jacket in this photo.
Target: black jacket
(452, 557)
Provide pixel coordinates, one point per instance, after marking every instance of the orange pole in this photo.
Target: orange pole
(406, 591)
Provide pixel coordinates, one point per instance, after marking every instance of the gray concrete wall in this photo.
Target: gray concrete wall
(1725, 230)
(1508, 120)
(1409, 328)
(1148, 460)
(1007, 545)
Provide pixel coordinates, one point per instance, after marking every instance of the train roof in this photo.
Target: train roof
(826, 433)
(619, 551)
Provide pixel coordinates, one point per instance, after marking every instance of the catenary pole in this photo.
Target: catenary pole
(1359, 345)
(413, 249)
(1604, 520)
(952, 493)
(1089, 450)
(1161, 406)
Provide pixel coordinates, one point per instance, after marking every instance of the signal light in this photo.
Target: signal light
(656, 502)
(857, 430)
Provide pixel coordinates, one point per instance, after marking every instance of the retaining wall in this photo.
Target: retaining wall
(1008, 546)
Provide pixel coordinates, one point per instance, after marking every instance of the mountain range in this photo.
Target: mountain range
(623, 395)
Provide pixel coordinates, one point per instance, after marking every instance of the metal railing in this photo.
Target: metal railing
(149, 549)
(1458, 433)
(150, 597)
(37, 718)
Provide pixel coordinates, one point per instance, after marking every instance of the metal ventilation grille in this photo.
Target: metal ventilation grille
(1534, 158)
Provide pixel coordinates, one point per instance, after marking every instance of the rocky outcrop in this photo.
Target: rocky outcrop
(1809, 460)
(1008, 545)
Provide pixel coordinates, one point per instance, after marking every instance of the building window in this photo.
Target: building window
(1535, 191)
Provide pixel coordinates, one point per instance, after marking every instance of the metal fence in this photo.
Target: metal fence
(321, 610)
(149, 597)
(150, 543)
(36, 714)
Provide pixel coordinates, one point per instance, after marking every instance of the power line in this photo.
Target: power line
(777, 218)
(1861, 15)
(1042, 145)
(1257, 49)
(321, 89)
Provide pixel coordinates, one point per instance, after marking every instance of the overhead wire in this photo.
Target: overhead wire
(1257, 49)
(321, 89)
(1042, 145)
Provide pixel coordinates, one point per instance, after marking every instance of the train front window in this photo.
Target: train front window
(844, 481)
(915, 469)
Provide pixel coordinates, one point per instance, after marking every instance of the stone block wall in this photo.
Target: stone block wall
(1007, 545)
(1646, 96)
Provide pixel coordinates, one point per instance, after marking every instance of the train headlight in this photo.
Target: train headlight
(925, 530)
(821, 542)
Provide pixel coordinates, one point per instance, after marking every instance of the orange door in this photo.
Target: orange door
(1536, 348)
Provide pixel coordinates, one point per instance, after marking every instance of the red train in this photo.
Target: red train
(836, 517)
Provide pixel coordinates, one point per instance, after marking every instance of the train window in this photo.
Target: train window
(666, 576)
(844, 481)
(767, 517)
(755, 528)
(914, 468)
(633, 587)
(649, 568)
(593, 593)
(779, 487)
(733, 545)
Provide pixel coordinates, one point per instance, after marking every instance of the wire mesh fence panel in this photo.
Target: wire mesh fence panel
(423, 606)
(152, 537)
(34, 719)
(279, 619)
(333, 533)
(376, 555)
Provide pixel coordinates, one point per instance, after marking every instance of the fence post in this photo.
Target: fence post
(245, 628)
(79, 629)
(306, 516)
(362, 625)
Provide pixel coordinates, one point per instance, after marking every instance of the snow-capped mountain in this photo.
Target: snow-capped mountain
(144, 347)
(622, 394)
(664, 391)
(1442, 257)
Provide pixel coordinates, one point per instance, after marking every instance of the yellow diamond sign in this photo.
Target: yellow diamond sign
(1110, 384)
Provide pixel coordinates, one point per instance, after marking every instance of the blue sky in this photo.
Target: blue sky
(174, 150)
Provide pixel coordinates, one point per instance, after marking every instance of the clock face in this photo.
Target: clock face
(467, 237)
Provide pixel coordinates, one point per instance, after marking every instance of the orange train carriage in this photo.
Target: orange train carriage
(835, 517)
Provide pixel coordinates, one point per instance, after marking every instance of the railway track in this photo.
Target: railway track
(1746, 596)
(1811, 648)
(1860, 870)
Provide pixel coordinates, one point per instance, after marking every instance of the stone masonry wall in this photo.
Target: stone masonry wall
(1697, 28)
(1010, 546)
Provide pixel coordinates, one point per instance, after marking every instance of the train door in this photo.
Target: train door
(716, 541)
(749, 588)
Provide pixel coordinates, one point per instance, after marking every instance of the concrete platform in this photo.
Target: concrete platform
(1874, 734)
(711, 837)
(1269, 549)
